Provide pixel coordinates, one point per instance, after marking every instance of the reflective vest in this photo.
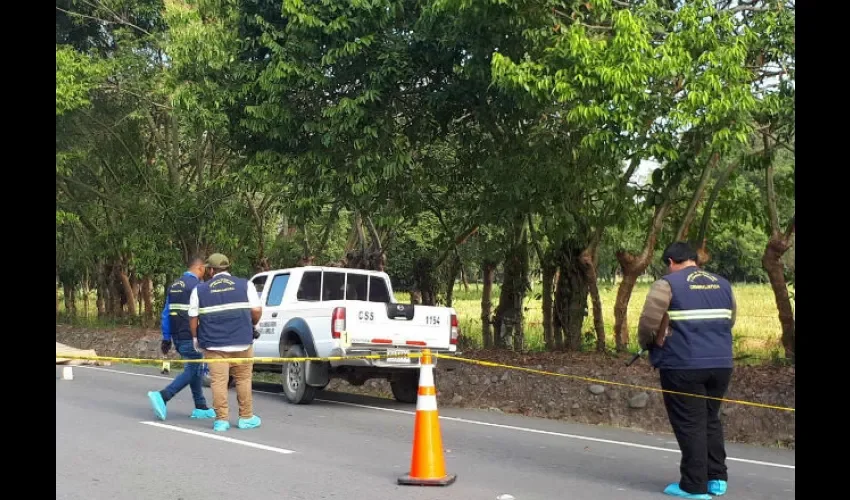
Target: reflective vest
(178, 306)
(224, 313)
(700, 315)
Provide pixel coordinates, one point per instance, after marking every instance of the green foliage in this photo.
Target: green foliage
(261, 129)
(76, 76)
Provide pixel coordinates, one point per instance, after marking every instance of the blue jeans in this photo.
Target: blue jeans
(191, 375)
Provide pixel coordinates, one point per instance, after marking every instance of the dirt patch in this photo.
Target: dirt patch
(558, 397)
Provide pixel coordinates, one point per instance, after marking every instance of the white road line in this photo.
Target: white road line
(489, 424)
(220, 438)
(97, 368)
(559, 434)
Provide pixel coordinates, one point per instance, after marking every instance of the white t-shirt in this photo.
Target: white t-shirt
(253, 299)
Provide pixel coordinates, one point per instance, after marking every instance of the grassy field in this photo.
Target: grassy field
(757, 331)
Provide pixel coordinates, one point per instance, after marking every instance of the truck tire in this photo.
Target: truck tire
(294, 377)
(405, 387)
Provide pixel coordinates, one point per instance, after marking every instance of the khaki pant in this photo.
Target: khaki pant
(242, 373)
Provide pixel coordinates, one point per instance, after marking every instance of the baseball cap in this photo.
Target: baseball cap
(218, 261)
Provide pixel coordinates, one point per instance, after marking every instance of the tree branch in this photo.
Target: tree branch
(373, 233)
(534, 241)
(792, 226)
(715, 192)
(621, 187)
(770, 190)
(458, 241)
(118, 18)
(85, 186)
(358, 229)
(326, 232)
(119, 21)
(690, 213)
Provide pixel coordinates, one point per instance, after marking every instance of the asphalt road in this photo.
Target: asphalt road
(109, 445)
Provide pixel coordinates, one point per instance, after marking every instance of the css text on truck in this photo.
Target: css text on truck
(331, 311)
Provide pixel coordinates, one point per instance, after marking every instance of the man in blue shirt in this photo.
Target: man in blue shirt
(175, 330)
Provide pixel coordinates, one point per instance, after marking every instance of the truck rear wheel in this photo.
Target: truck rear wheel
(294, 377)
(405, 387)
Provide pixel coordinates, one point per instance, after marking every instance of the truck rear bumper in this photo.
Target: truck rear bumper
(401, 363)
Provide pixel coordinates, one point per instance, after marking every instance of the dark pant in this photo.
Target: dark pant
(696, 423)
(191, 375)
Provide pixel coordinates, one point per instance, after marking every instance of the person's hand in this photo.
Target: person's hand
(195, 344)
(165, 346)
(256, 333)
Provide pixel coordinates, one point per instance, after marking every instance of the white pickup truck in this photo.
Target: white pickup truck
(331, 311)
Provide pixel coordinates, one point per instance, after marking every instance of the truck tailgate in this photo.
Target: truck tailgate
(378, 324)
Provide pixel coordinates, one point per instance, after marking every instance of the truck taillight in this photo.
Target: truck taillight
(455, 330)
(337, 322)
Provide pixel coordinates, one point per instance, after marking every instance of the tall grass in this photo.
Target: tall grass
(757, 332)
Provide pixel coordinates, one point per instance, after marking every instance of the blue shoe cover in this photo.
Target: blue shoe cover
(717, 487)
(674, 490)
(198, 413)
(221, 425)
(249, 423)
(158, 404)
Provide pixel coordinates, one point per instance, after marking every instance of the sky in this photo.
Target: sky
(644, 170)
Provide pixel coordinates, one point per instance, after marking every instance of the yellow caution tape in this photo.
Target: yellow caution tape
(413, 355)
(144, 361)
(588, 379)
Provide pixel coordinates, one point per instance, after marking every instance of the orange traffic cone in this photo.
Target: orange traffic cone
(427, 467)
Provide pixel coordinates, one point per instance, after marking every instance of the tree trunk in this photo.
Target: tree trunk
(260, 263)
(632, 267)
(306, 254)
(571, 294)
(557, 317)
(147, 297)
(57, 295)
(326, 232)
(450, 286)
(362, 255)
(489, 275)
(509, 313)
(621, 304)
(86, 291)
(591, 277)
(590, 256)
(137, 290)
(423, 276)
(130, 299)
(114, 303)
(777, 245)
(549, 270)
(100, 301)
(772, 262)
(70, 301)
